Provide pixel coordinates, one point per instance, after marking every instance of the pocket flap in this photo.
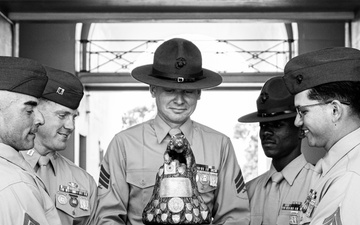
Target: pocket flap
(141, 178)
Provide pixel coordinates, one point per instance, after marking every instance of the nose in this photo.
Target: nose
(298, 121)
(266, 131)
(70, 123)
(179, 98)
(39, 118)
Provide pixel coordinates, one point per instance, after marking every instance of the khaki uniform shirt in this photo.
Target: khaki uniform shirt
(72, 189)
(293, 190)
(134, 157)
(22, 197)
(338, 185)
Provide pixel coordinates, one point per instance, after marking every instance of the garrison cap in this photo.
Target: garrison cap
(22, 75)
(63, 88)
(323, 66)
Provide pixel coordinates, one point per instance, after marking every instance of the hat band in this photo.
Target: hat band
(274, 113)
(195, 77)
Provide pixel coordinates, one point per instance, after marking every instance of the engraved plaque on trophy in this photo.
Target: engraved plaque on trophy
(175, 198)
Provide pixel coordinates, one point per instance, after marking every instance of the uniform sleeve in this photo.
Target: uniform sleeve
(231, 201)
(339, 205)
(93, 200)
(113, 191)
(21, 204)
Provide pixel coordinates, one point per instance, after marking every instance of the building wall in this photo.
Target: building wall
(52, 44)
(314, 36)
(6, 37)
(355, 33)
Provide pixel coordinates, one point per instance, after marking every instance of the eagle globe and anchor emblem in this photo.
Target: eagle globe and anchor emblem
(176, 199)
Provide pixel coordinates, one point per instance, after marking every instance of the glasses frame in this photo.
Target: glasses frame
(299, 109)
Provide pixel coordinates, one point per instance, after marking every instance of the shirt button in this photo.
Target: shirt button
(142, 182)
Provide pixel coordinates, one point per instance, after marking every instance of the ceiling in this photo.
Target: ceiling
(8, 6)
(108, 10)
(88, 11)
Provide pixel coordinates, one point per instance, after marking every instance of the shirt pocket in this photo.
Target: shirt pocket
(256, 220)
(289, 217)
(204, 182)
(141, 178)
(141, 183)
(205, 188)
(73, 205)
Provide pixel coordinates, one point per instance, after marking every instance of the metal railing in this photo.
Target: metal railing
(223, 56)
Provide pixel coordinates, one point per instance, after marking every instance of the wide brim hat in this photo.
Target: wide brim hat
(177, 64)
(274, 103)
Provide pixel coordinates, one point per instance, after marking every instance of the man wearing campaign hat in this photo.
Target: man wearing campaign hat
(276, 196)
(23, 197)
(71, 188)
(133, 158)
(326, 85)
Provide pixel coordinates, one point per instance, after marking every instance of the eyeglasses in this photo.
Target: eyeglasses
(301, 110)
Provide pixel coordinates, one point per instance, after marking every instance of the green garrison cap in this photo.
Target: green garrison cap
(22, 75)
(323, 66)
(63, 88)
(274, 103)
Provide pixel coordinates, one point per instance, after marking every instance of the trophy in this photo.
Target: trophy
(176, 199)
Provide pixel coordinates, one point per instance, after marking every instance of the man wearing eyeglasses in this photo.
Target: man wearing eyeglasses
(326, 85)
(276, 196)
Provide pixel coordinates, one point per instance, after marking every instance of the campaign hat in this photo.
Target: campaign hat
(63, 88)
(320, 67)
(177, 64)
(22, 75)
(274, 103)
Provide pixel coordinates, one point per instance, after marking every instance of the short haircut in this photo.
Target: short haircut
(344, 91)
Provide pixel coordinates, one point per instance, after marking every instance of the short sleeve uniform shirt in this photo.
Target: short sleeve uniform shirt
(135, 155)
(336, 192)
(293, 190)
(72, 189)
(23, 197)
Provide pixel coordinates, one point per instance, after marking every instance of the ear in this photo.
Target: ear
(199, 94)
(152, 91)
(337, 110)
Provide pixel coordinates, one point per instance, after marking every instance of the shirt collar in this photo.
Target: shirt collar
(339, 150)
(268, 175)
(10, 154)
(290, 171)
(32, 157)
(187, 129)
(162, 129)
